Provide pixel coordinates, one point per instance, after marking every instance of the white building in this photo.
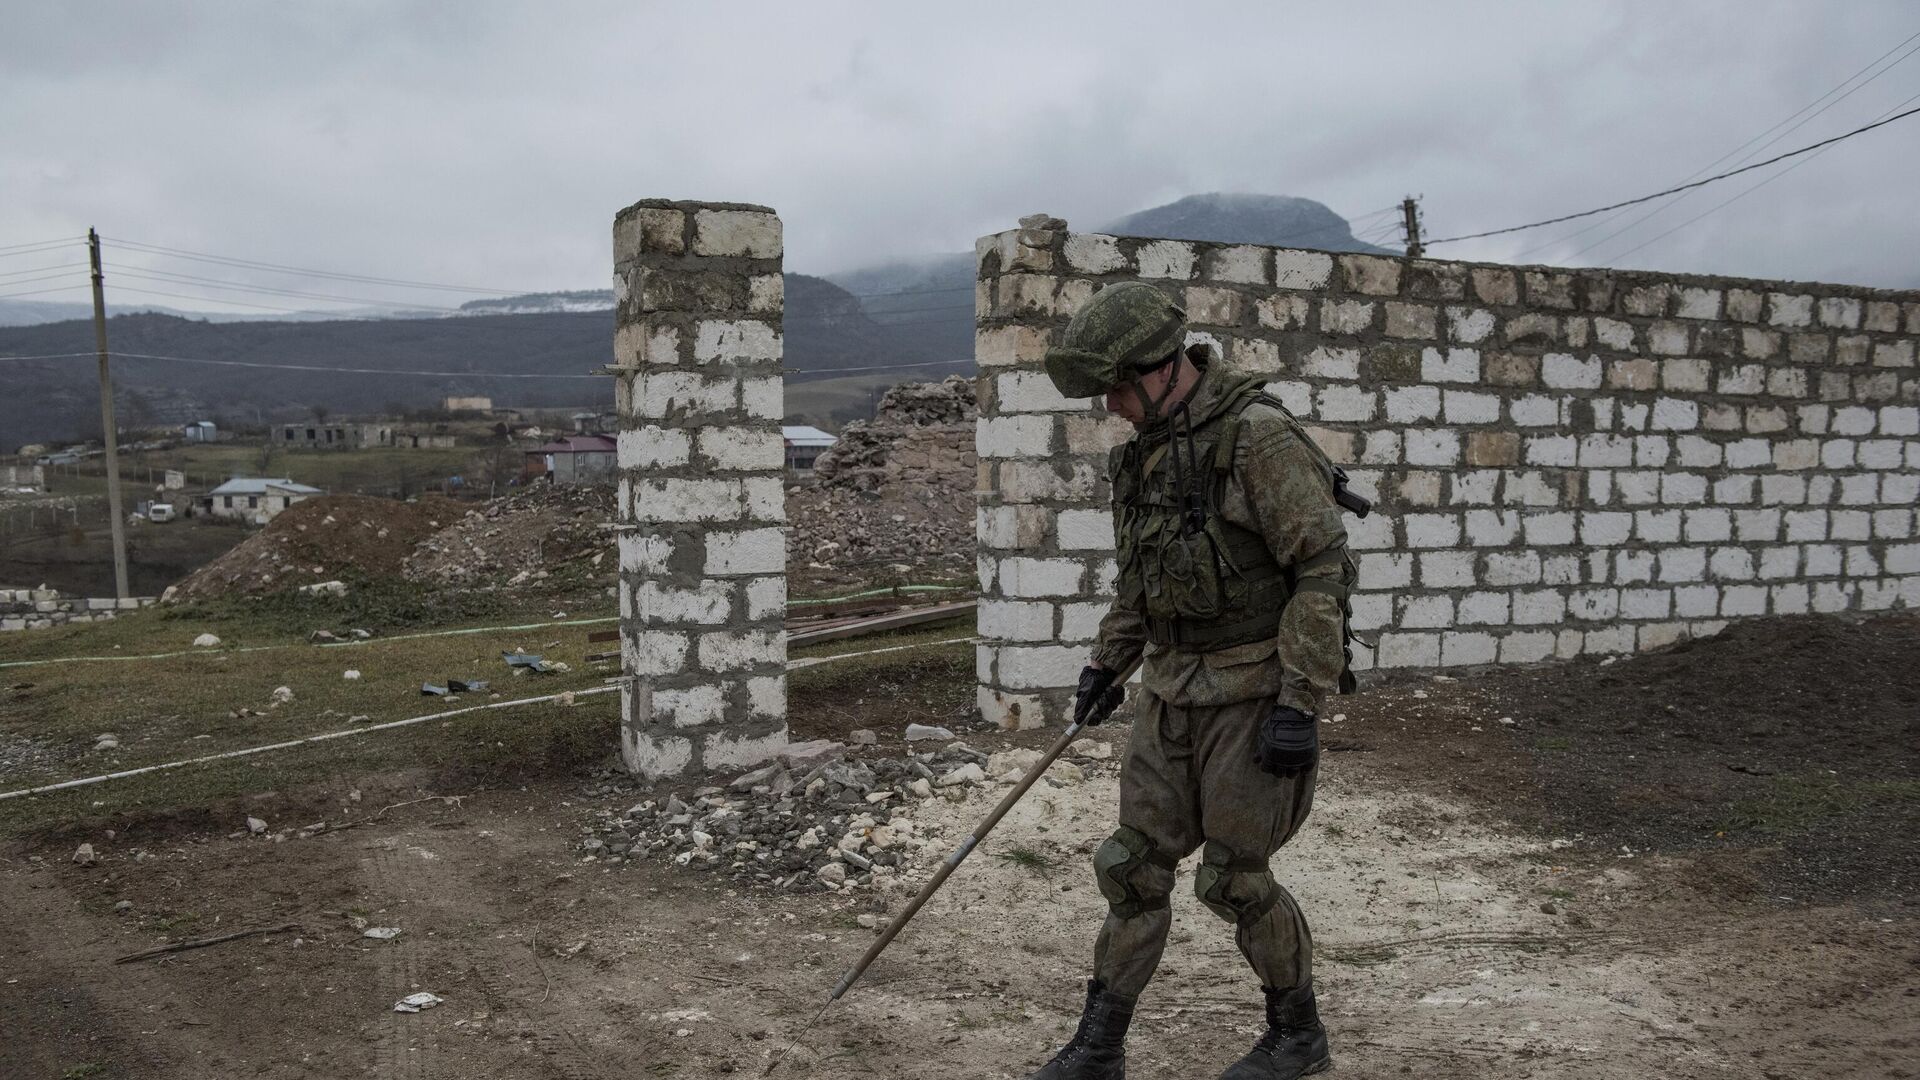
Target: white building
(804, 444)
(255, 498)
(200, 431)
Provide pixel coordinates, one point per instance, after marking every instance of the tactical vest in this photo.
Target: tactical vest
(1202, 582)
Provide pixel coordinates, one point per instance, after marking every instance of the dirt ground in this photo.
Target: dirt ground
(1489, 900)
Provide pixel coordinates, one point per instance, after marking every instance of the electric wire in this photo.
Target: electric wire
(1736, 150)
(37, 292)
(39, 246)
(1678, 199)
(1728, 202)
(38, 269)
(1683, 187)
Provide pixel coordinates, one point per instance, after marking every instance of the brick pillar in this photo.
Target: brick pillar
(703, 584)
(1044, 528)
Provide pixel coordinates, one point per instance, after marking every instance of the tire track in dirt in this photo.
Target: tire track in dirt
(399, 967)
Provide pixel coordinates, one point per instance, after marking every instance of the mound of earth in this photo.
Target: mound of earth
(543, 532)
(1782, 753)
(321, 539)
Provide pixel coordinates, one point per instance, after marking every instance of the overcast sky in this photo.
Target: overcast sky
(491, 143)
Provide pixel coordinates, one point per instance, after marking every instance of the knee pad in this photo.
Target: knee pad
(1239, 890)
(1123, 868)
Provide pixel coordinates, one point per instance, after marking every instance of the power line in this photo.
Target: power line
(352, 371)
(462, 374)
(227, 260)
(37, 292)
(1682, 187)
(1723, 157)
(1734, 199)
(39, 269)
(217, 283)
(1636, 222)
(39, 245)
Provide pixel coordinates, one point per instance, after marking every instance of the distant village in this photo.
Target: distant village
(258, 473)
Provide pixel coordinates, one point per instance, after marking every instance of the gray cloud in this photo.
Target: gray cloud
(491, 143)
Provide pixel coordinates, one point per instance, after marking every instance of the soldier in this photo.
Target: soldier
(1233, 579)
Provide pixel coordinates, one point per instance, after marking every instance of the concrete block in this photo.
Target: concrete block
(653, 447)
(1412, 320)
(1452, 365)
(1027, 576)
(1345, 316)
(1093, 253)
(1446, 569)
(677, 500)
(1527, 647)
(1411, 404)
(752, 551)
(1370, 274)
(1432, 446)
(1345, 403)
(1035, 667)
(1789, 310)
(1408, 650)
(743, 449)
(1462, 648)
(726, 650)
(1021, 435)
(1469, 326)
(1166, 259)
(1675, 414)
(1539, 606)
(1470, 407)
(1085, 530)
(1332, 362)
(741, 233)
(1483, 609)
(1535, 410)
(1282, 311)
(1432, 530)
(1033, 391)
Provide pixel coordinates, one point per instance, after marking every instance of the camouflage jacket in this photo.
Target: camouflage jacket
(1277, 488)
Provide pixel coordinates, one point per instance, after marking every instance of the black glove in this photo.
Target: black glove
(1289, 742)
(1097, 697)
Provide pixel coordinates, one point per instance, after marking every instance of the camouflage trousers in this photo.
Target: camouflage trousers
(1190, 779)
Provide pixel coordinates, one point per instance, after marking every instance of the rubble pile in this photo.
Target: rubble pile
(317, 540)
(895, 489)
(921, 433)
(813, 821)
(529, 536)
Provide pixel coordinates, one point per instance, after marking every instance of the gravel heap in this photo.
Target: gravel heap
(529, 536)
(921, 433)
(814, 821)
(895, 491)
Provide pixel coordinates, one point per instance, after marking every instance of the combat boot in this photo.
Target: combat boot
(1295, 1043)
(1098, 1050)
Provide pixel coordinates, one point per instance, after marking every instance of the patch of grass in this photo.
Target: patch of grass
(1797, 803)
(91, 1068)
(184, 706)
(1559, 894)
(1028, 859)
(1553, 742)
(1334, 829)
(369, 603)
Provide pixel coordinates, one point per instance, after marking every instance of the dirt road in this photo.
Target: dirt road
(1465, 926)
(1436, 958)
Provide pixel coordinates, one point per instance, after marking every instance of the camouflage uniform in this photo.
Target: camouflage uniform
(1232, 589)
(1191, 776)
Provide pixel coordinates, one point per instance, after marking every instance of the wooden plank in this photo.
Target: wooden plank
(881, 623)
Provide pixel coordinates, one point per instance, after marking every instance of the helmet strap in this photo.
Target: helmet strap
(1151, 406)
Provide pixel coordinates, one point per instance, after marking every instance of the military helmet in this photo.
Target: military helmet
(1125, 327)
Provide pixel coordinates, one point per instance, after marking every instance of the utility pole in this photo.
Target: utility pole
(114, 519)
(1410, 215)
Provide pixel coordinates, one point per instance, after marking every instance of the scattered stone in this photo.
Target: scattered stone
(84, 856)
(319, 637)
(922, 732)
(868, 921)
(256, 826)
(106, 741)
(863, 737)
(123, 907)
(1549, 908)
(325, 588)
(381, 933)
(920, 788)
(351, 674)
(1094, 751)
(414, 1003)
(1066, 772)
(1016, 761)
(206, 641)
(832, 874)
(282, 695)
(970, 773)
